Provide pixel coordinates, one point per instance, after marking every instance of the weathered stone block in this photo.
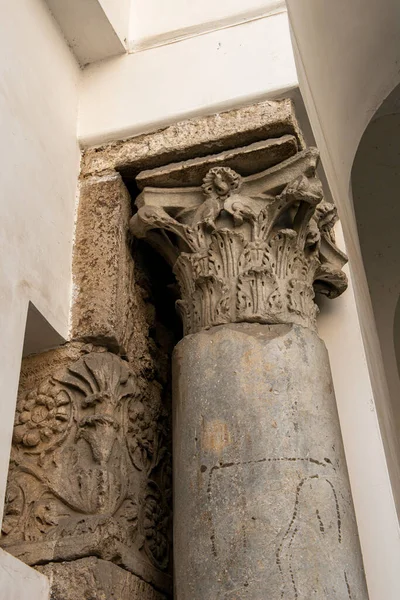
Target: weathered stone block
(107, 306)
(195, 137)
(95, 579)
(90, 465)
(246, 161)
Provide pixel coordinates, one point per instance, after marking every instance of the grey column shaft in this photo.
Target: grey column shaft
(263, 508)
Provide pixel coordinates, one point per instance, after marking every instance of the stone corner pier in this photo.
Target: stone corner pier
(262, 502)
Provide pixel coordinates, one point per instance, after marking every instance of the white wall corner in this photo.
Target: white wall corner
(94, 29)
(20, 582)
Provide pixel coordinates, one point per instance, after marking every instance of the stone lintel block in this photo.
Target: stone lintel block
(105, 303)
(245, 161)
(95, 579)
(195, 137)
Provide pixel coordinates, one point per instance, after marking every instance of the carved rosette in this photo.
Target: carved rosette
(90, 470)
(251, 249)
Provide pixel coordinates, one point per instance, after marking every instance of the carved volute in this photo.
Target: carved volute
(247, 249)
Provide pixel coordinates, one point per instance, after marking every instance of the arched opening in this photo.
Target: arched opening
(376, 194)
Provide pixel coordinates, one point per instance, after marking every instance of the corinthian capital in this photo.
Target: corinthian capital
(247, 249)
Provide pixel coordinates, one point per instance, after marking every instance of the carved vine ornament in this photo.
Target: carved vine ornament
(90, 470)
(247, 249)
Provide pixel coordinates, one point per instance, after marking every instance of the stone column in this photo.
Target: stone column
(262, 502)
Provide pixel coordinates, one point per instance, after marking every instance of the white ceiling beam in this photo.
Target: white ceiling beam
(94, 29)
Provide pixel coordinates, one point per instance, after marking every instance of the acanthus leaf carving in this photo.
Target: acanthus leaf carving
(253, 248)
(89, 441)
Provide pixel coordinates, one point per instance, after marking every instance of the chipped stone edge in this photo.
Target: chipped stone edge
(194, 137)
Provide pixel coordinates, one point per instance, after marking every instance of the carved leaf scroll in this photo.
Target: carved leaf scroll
(251, 248)
(88, 469)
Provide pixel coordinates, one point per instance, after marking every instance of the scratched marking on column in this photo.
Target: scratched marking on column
(251, 462)
(292, 536)
(284, 553)
(321, 525)
(261, 460)
(339, 519)
(347, 585)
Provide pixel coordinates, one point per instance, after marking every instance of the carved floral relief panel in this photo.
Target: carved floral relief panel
(90, 470)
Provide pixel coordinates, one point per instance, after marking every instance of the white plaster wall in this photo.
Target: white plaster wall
(140, 92)
(118, 13)
(339, 327)
(94, 29)
(39, 167)
(348, 56)
(20, 582)
(152, 23)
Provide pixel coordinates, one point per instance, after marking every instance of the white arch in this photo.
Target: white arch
(348, 57)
